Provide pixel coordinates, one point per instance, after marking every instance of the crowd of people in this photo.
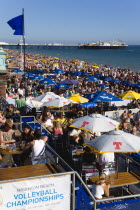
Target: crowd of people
(31, 142)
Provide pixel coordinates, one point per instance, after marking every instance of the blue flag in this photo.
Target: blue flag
(17, 24)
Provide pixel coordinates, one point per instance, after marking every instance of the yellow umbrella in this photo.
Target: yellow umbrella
(97, 67)
(56, 58)
(78, 98)
(130, 95)
(44, 61)
(29, 59)
(35, 60)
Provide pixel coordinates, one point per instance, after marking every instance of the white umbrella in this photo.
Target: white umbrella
(46, 97)
(116, 141)
(95, 123)
(58, 102)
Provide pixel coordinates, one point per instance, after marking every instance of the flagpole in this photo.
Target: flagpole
(23, 38)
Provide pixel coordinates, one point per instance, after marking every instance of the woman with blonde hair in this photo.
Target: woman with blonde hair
(100, 187)
(57, 128)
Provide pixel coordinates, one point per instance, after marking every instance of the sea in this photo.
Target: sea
(124, 58)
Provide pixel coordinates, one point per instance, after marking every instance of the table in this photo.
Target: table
(28, 171)
(124, 178)
(11, 152)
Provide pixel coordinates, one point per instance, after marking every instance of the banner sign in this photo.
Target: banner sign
(50, 193)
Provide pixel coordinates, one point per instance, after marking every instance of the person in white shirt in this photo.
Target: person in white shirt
(103, 160)
(38, 148)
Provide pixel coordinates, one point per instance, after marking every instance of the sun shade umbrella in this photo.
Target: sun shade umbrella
(59, 71)
(102, 85)
(47, 82)
(58, 102)
(46, 97)
(37, 78)
(87, 105)
(70, 82)
(102, 96)
(91, 79)
(78, 98)
(17, 71)
(28, 75)
(116, 141)
(130, 95)
(95, 123)
(61, 86)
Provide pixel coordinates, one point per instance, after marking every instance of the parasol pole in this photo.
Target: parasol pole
(23, 38)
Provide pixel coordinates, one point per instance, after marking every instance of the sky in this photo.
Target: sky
(72, 21)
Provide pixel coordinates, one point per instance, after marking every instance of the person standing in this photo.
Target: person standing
(21, 103)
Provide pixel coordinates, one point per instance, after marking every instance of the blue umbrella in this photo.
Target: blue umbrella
(102, 96)
(84, 73)
(135, 85)
(102, 85)
(90, 95)
(61, 86)
(51, 76)
(77, 73)
(98, 75)
(59, 71)
(37, 78)
(87, 105)
(91, 79)
(47, 81)
(38, 71)
(69, 82)
(17, 71)
(126, 83)
(107, 78)
(116, 81)
(28, 75)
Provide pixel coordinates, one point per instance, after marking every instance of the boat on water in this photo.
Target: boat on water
(104, 45)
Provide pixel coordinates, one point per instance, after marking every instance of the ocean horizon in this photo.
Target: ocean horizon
(124, 58)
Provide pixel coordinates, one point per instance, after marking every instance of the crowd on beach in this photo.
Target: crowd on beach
(58, 124)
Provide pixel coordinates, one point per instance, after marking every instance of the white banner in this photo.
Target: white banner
(52, 193)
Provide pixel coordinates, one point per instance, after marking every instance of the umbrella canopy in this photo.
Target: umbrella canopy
(91, 79)
(116, 141)
(17, 71)
(59, 71)
(47, 81)
(102, 96)
(116, 81)
(98, 75)
(87, 105)
(28, 75)
(78, 98)
(61, 86)
(46, 97)
(130, 95)
(95, 123)
(70, 82)
(102, 85)
(107, 78)
(58, 102)
(37, 78)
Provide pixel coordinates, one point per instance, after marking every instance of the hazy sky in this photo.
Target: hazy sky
(73, 21)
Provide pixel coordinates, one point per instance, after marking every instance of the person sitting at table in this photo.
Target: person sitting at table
(101, 188)
(38, 148)
(27, 135)
(10, 113)
(7, 136)
(2, 120)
